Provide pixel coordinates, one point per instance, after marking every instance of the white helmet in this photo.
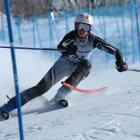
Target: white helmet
(84, 18)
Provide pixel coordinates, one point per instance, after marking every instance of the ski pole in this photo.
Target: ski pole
(136, 70)
(28, 48)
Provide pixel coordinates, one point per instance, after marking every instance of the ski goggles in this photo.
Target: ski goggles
(82, 26)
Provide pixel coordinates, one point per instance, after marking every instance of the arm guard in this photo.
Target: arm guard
(103, 45)
(68, 39)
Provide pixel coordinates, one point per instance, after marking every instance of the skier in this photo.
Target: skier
(76, 48)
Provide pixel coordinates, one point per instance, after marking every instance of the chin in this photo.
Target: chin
(82, 35)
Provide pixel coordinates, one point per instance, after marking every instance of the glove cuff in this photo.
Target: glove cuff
(118, 63)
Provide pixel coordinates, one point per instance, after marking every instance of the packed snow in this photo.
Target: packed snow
(113, 114)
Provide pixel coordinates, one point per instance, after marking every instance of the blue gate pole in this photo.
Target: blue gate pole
(13, 56)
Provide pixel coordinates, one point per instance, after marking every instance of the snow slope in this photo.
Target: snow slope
(114, 114)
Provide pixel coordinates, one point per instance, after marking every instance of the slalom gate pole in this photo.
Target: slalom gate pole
(13, 56)
(135, 70)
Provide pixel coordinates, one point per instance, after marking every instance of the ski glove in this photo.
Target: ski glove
(69, 47)
(70, 50)
(121, 66)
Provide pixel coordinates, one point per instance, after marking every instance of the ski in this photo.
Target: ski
(98, 90)
(62, 103)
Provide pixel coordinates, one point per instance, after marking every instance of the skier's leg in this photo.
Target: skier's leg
(43, 86)
(55, 74)
(81, 71)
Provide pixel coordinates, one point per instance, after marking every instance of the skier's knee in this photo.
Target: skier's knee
(80, 72)
(84, 67)
(85, 64)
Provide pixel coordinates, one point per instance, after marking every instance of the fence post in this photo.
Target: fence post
(131, 9)
(2, 27)
(34, 31)
(18, 24)
(137, 22)
(13, 56)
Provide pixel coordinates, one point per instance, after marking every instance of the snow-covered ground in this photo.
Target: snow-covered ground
(114, 114)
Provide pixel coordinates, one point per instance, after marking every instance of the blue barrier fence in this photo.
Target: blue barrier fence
(116, 24)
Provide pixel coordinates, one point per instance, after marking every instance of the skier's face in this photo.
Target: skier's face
(82, 29)
(82, 33)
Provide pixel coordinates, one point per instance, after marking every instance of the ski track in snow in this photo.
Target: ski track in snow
(100, 119)
(114, 114)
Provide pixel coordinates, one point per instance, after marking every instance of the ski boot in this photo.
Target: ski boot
(3, 115)
(63, 103)
(5, 109)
